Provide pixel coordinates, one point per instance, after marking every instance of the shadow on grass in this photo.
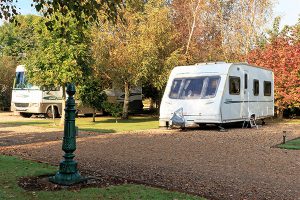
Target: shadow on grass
(131, 120)
(97, 130)
(25, 123)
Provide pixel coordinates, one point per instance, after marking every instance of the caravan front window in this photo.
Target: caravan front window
(194, 88)
(21, 82)
(175, 88)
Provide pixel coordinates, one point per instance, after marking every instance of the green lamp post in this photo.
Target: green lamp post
(68, 173)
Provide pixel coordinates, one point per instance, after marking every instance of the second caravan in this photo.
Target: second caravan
(217, 93)
(28, 99)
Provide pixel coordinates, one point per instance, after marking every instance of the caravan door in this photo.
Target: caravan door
(245, 96)
(231, 106)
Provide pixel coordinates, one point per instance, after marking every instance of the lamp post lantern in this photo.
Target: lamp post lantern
(68, 173)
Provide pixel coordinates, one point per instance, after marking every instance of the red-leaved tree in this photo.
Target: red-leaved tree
(282, 55)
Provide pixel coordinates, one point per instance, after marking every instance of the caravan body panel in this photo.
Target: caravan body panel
(252, 99)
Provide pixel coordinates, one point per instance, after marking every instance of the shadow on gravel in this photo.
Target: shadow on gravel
(215, 127)
(12, 138)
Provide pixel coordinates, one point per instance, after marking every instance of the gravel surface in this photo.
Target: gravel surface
(237, 164)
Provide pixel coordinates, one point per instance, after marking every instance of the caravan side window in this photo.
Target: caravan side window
(267, 88)
(246, 81)
(50, 88)
(234, 85)
(255, 87)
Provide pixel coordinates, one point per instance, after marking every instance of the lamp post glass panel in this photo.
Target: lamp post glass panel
(68, 173)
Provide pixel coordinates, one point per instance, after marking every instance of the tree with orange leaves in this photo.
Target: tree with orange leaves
(282, 54)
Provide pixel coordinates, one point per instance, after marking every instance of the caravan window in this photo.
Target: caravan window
(194, 88)
(255, 87)
(267, 88)
(212, 85)
(234, 85)
(175, 88)
(50, 88)
(21, 82)
(246, 81)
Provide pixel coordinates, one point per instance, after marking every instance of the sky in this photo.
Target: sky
(289, 10)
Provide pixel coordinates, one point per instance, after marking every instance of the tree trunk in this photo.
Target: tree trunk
(192, 27)
(63, 106)
(94, 115)
(280, 113)
(126, 101)
(151, 106)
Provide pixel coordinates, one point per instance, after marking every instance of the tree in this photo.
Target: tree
(91, 94)
(7, 74)
(61, 55)
(212, 30)
(17, 40)
(115, 109)
(84, 11)
(282, 54)
(138, 50)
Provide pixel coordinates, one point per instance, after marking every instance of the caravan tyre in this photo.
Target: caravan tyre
(26, 115)
(49, 113)
(202, 125)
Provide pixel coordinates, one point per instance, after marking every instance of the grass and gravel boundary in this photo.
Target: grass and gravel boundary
(13, 168)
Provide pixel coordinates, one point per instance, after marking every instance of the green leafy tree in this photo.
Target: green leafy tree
(17, 39)
(84, 11)
(61, 55)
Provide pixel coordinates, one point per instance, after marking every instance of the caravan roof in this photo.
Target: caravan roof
(20, 68)
(218, 67)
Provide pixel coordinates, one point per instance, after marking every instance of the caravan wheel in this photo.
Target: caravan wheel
(49, 113)
(26, 115)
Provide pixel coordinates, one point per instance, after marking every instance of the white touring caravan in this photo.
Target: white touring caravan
(217, 93)
(28, 99)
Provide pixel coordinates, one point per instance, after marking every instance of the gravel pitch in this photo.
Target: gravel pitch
(237, 164)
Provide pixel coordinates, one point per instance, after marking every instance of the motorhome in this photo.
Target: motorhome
(28, 99)
(217, 93)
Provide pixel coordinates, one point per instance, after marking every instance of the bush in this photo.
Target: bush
(115, 109)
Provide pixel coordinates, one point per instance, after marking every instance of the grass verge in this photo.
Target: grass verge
(291, 144)
(12, 168)
(284, 121)
(102, 124)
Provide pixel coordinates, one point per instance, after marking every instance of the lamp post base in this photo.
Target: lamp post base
(66, 179)
(68, 174)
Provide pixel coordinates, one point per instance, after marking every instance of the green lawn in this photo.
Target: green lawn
(291, 144)
(284, 121)
(102, 124)
(11, 168)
